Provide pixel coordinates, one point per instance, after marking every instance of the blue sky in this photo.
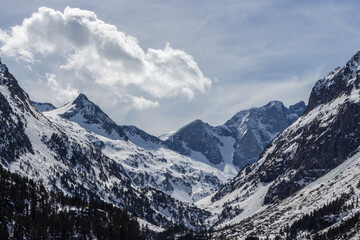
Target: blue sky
(221, 57)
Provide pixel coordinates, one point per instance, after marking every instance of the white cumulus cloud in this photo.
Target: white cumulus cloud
(80, 52)
(140, 103)
(68, 93)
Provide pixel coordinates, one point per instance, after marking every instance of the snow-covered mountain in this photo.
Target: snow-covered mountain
(144, 157)
(328, 203)
(306, 167)
(89, 116)
(239, 141)
(42, 107)
(228, 147)
(306, 183)
(63, 157)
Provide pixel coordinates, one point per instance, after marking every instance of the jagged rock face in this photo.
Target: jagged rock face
(251, 129)
(43, 107)
(86, 114)
(198, 136)
(332, 136)
(339, 81)
(8, 80)
(12, 133)
(14, 141)
(323, 138)
(133, 133)
(89, 115)
(297, 110)
(312, 200)
(319, 149)
(144, 157)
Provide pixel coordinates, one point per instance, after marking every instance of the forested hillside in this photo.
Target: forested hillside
(28, 211)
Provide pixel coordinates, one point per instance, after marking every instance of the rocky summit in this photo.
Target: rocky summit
(240, 140)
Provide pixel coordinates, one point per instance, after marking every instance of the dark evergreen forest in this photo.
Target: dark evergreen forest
(28, 211)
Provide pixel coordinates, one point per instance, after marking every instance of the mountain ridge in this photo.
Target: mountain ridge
(293, 183)
(219, 146)
(253, 127)
(147, 163)
(325, 138)
(66, 160)
(42, 107)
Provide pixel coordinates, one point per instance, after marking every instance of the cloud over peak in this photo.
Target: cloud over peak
(93, 54)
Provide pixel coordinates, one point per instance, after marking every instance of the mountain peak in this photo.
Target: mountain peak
(3, 68)
(355, 59)
(88, 115)
(228, 144)
(274, 104)
(89, 110)
(196, 122)
(299, 104)
(81, 96)
(337, 82)
(298, 108)
(7, 79)
(82, 100)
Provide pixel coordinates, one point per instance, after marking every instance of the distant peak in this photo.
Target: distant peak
(3, 67)
(355, 58)
(196, 122)
(82, 100)
(82, 97)
(274, 104)
(297, 105)
(91, 112)
(351, 66)
(298, 108)
(338, 82)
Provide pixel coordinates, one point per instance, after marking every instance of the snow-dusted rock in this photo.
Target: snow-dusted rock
(326, 137)
(144, 157)
(43, 107)
(63, 157)
(239, 141)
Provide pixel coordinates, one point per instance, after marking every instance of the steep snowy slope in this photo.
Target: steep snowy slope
(42, 107)
(239, 141)
(340, 183)
(205, 144)
(253, 129)
(228, 147)
(34, 147)
(327, 135)
(89, 116)
(146, 162)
